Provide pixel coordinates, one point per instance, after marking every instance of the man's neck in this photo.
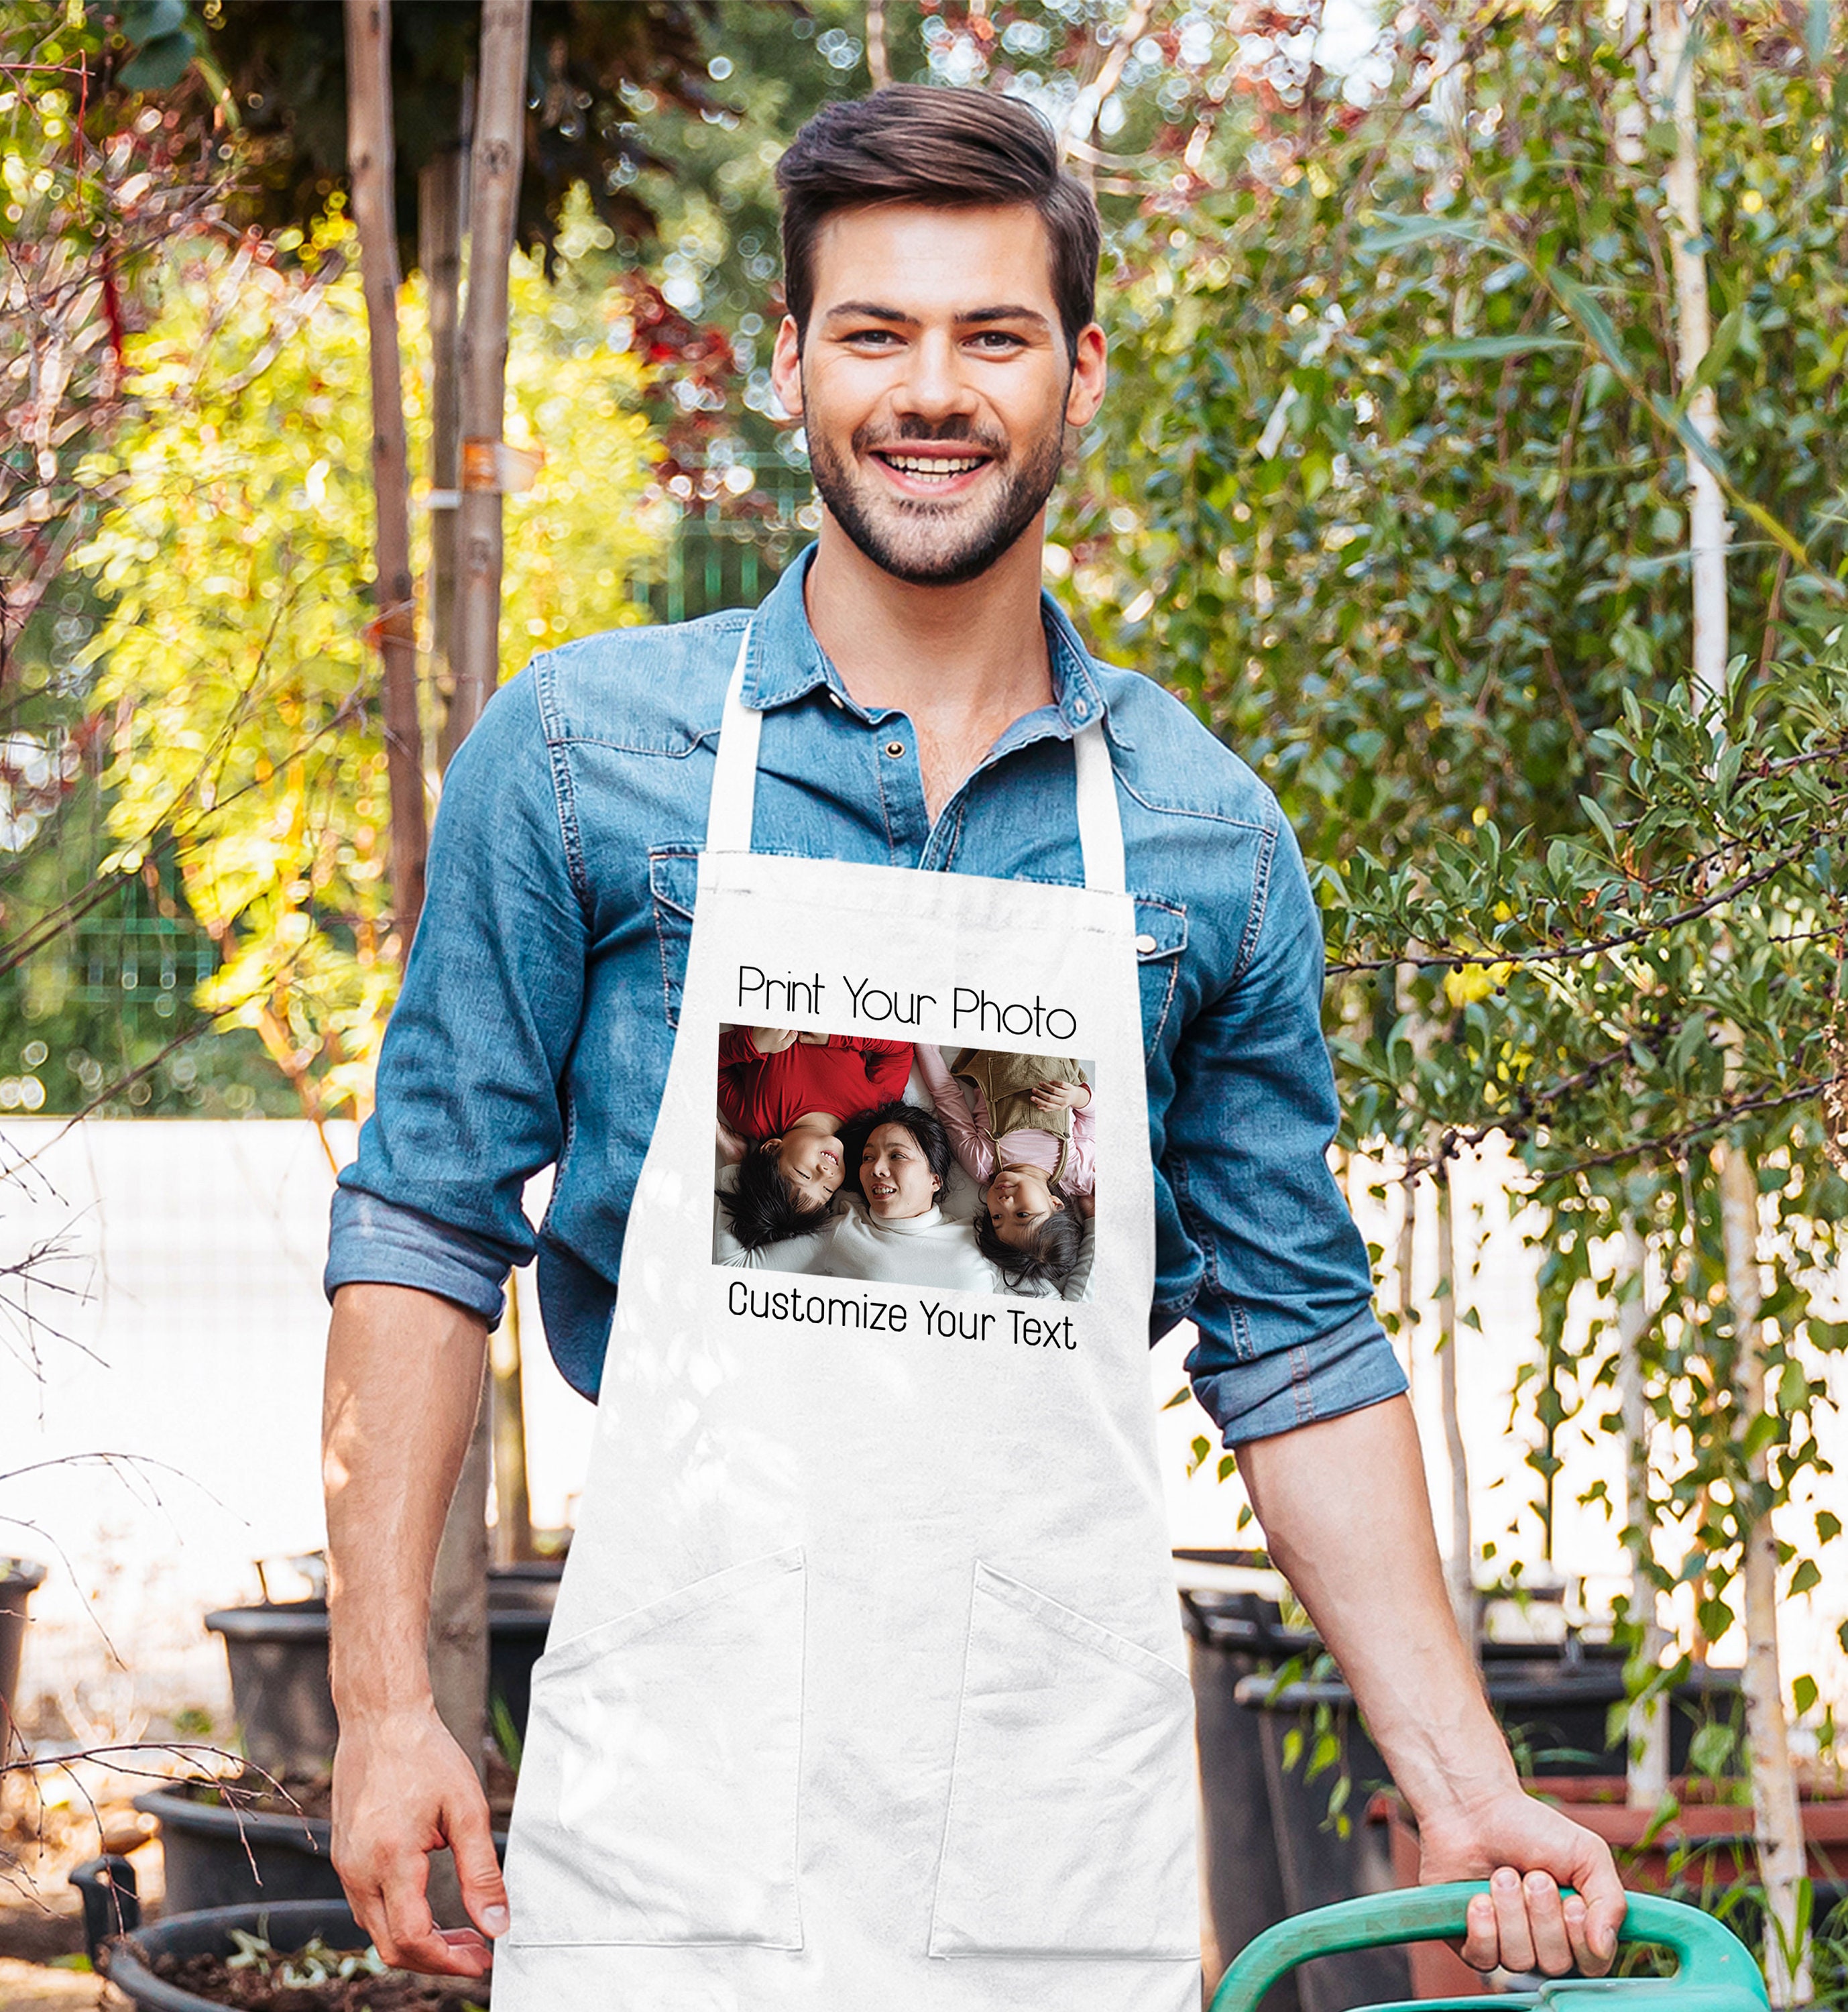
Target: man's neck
(963, 662)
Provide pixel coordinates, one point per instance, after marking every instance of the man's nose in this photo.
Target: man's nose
(933, 386)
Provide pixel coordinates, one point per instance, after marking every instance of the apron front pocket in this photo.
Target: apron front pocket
(659, 1785)
(1071, 1823)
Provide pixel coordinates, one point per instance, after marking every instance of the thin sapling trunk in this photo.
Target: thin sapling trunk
(369, 154)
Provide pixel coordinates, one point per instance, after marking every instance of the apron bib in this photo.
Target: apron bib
(865, 1688)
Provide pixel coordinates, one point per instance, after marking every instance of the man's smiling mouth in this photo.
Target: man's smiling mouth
(932, 470)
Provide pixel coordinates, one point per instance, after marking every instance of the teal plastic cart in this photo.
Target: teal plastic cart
(1714, 1971)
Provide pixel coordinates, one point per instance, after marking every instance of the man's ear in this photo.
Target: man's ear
(785, 367)
(1085, 393)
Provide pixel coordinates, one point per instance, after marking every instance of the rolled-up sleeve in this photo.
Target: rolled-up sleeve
(468, 1106)
(1284, 1305)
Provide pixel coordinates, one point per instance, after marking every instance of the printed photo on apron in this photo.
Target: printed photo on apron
(843, 1155)
(866, 1684)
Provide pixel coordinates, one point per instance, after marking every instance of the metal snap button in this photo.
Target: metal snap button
(895, 748)
(1145, 944)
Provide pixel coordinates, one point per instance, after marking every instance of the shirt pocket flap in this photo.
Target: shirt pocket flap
(673, 878)
(1160, 929)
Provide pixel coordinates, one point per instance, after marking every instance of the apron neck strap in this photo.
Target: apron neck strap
(734, 787)
(734, 773)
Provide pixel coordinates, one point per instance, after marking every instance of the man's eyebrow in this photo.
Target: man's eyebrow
(875, 311)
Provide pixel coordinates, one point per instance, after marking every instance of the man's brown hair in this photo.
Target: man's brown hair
(948, 148)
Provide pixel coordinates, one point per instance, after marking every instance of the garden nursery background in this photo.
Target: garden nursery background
(1474, 463)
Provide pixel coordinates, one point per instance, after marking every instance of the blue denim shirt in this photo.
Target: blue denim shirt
(539, 1005)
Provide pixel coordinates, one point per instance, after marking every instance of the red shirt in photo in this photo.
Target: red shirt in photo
(760, 1096)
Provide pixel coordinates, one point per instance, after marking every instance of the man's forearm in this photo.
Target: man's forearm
(404, 1379)
(1348, 1521)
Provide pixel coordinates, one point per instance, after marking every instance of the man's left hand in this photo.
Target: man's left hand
(1527, 1850)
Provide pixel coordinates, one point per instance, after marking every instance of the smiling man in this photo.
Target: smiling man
(752, 1776)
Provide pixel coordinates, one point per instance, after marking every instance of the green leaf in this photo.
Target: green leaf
(1803, 1694)
(1806, 1578)
(1761, 1434)
(1473, 346)
(1586, 311)
(1399, 233)
(1711, 1748)
(1179, 1397)
(1719, 353)
(160, 64)
(1595, 811)
(1829, 1526)
(145, 21)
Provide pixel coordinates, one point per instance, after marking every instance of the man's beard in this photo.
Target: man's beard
(926, 544)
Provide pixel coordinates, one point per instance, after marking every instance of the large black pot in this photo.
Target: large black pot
(18, 1581)
(1555, 1704)
(1268, 1854)
(278, 1657)
(111, 1909)
(218, 1857)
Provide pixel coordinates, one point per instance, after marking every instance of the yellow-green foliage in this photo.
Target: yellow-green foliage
(238, 555)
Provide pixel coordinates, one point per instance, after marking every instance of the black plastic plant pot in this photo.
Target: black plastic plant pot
(279, 1690)
(19, 1580)
(1554, 1704)
(277, 1652)
(128, 1956)
(219, 1857)
(1267, 1849)
(1243, 1893)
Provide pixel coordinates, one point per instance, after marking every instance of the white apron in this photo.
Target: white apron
(865, 1690)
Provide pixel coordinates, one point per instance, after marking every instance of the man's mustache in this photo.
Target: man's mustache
(955, 432)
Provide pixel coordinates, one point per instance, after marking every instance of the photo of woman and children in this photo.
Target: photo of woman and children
(849, 1157)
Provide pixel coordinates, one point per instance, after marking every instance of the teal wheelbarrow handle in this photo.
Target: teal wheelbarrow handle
(1715, 1972)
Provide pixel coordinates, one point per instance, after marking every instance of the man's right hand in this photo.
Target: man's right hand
(403, 1789)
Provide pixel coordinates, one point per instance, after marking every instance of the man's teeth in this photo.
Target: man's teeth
(936, 468)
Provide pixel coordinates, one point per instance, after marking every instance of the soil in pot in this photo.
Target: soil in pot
(249, 1990)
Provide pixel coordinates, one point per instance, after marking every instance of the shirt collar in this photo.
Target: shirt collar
(784, 662)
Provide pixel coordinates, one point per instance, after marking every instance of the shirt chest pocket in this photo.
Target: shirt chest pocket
(1160, 936)
(673, 885)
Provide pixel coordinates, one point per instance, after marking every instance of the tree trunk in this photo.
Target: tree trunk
(1777, 1819)
(439, 253)
(494, 189)
(1460, 1567)
(1777, 1815)
(458, 1634)
(369, 167)
(878, 62)
(457, 1646)
(1647, 1744)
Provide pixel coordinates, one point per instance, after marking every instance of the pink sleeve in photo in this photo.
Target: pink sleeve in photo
(968, 1129)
